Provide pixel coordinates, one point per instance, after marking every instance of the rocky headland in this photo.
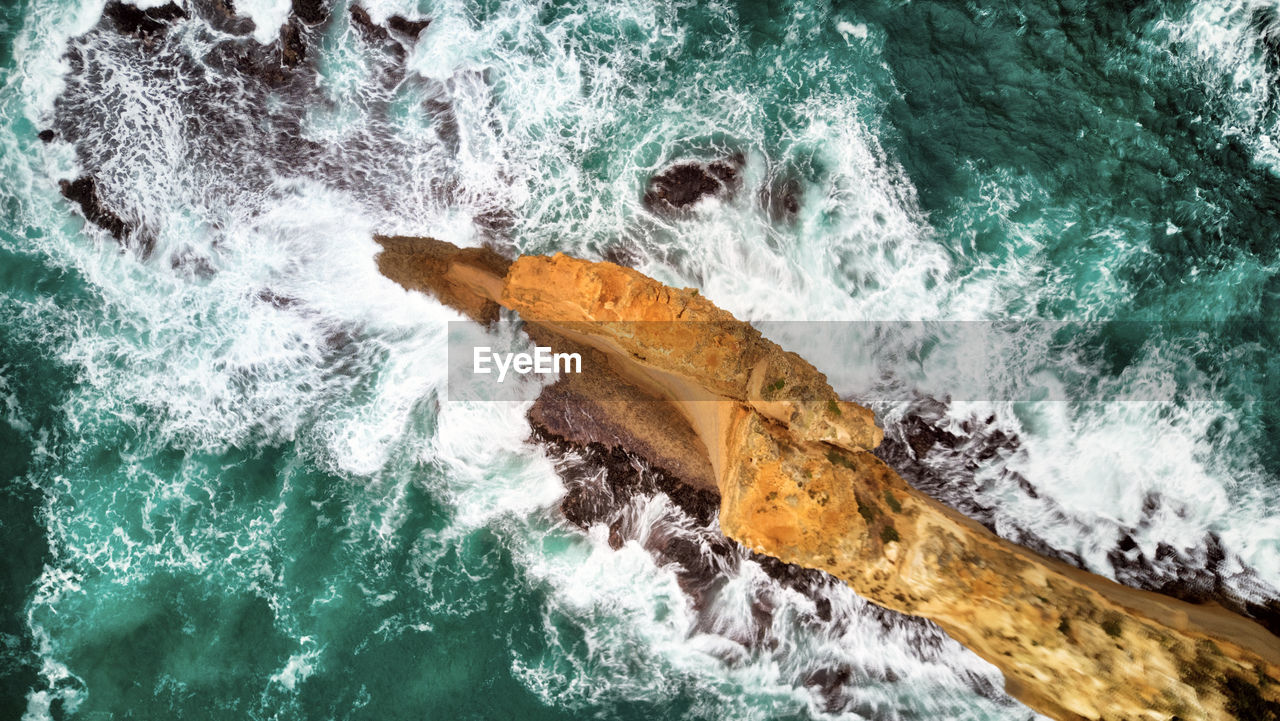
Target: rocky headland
(726, 414)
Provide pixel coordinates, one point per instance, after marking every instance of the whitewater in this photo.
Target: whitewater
(234, 485)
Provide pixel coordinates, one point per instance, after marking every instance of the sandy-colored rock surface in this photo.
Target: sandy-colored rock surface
(468, 279)
(796, 481)
(1070, 644)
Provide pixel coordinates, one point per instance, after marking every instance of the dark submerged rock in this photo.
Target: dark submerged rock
(446, 121)
(409, 28)
(145, 24)
(625, 476)
(221, 16)
(682, 185)
(368, 28)
(311, 12)
(396, 38)
(928, 455)
(242, 104)
(396, 44)
(829, 683)
(47, 136)
(495, 221)
(948, 466)
(193, 265)
(615, 535)
(275, 300)
(1196, 575)
(781, 199)
(807, 581)
(263, 63)
(293, 49)
(83, 191)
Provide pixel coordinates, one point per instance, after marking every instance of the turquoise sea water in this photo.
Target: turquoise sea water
(231, 487)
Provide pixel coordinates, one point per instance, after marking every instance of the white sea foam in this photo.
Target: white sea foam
(850, 30)
(1217, 42)
(267, 15)
(299, 667)
(63, 686)
(11, 407)
(643, 636)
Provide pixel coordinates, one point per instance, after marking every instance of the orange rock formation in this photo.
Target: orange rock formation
(796, 481)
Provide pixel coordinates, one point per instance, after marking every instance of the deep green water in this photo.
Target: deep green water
(214, 507)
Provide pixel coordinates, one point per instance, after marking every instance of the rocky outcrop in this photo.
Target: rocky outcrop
(584, 409)
(1070, 644)
(83, 191)
(396, 38)
(682, 185)
(142, 23)
(953, 460)
(797, 481)
(469, 279)
(683, 348)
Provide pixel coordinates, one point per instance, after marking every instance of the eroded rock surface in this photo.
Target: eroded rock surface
(798, 482)
(468, 279)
